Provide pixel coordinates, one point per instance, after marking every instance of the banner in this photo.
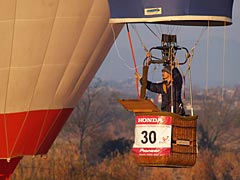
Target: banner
(153, 136)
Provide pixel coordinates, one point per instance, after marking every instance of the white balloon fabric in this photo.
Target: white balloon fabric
(50, 51)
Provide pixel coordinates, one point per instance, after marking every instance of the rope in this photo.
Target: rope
(134, 59)
(171, 66)
(198, 40)
(223, 62)
(188, 71)
(159, 30)
(190, 86)
(139, 37)
(206, 86)
(118, 53)
(184, 87)
(183, 76)
(153, 32)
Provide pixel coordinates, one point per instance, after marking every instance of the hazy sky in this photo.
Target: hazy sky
(218, 51)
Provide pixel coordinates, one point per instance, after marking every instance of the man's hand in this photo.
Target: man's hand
(188, 55)
(138, 76)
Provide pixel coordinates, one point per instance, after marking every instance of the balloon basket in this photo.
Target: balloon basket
(183, 143)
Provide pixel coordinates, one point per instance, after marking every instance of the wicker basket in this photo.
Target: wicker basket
(183, 143)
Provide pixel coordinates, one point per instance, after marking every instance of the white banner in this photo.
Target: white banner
(153, 135)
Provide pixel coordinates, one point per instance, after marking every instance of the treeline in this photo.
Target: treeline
(96, 141)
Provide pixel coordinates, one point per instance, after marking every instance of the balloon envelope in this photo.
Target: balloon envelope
(50, 51)
(187, 12)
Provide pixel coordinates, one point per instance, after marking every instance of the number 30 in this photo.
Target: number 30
(151, 137)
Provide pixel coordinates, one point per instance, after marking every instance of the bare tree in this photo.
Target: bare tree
(218, 127)
(90, 118)
(218, 121)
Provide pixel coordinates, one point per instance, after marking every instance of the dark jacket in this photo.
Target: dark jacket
(166, 94)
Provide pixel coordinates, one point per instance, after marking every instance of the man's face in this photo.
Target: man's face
(165, 75)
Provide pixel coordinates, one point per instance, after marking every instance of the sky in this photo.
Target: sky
(216, 60)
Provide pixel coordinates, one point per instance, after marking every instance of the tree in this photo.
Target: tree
(218, 121)
(90, 118)
(218, 127)
(64, 160)
(112, 147)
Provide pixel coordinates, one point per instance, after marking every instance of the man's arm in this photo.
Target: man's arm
(154, 87)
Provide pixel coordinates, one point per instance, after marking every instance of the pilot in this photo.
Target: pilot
(170, 79)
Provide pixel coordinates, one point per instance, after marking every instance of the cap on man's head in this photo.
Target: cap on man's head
(167, 69)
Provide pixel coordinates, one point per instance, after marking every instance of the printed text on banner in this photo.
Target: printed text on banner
(153, 135)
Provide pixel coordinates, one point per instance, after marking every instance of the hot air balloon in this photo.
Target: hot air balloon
(166, 139)
(50, 51)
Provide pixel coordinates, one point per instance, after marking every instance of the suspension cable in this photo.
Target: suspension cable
(188, 71)
(177, 64)
(206, 85)
(118, 53)
(139, 37)
(152, 32)
(223, 62)
(199, 38)
(171, 67)
(134, 59)
(190, 84)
